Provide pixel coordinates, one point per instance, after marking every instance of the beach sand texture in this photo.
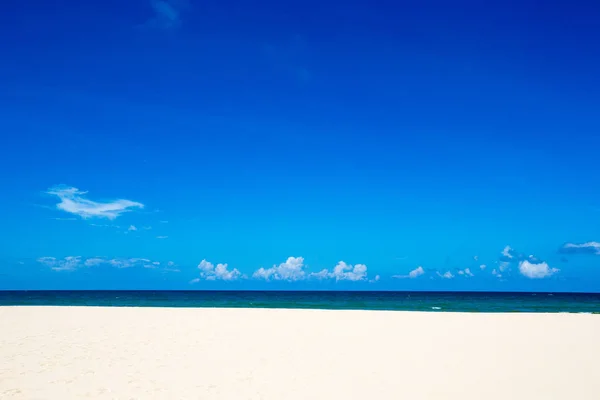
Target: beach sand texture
(161, 353)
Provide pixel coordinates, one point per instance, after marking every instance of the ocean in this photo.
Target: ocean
(400, 301)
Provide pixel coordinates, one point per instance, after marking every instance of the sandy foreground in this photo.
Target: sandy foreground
(160, 353)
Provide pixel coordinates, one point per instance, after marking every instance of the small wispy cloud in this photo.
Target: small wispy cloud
(162, 237)
(415, 273)
(503, 265)
(72, 263)
(72, 200)
(171, 267)
(105, 226)
(508, 253)
(167, 14)
(466, 272)
(127, 262)
(482, 266)
(536, 270)
(65, 264)
(211, 272)
(132, 228)
(152, 265)
(445, 275)
(92, 262)
(581, 248)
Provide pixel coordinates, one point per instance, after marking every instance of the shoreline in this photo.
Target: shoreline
(432, 311)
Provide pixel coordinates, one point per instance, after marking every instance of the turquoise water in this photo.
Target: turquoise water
(405, 301)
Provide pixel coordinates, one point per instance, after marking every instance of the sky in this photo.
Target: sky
(187, 144)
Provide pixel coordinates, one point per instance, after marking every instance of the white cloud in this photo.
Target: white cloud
(171, 267)
(162, 237)
(221, 272)
(210, 272)
(344, 272)
(72, 200)
(291, 270)
(446, 275)
(147, 228)
(263, 273)
(71, 263)
(476, 258)
(130, 262)
(92, 262)
(322, 274)
(66, 264)
(511, 259)
(482, 266)
(105, 225)
(415, 273)
(137, 260)
(465, 272)
(588, 247)
(496, 273)
(132, 228)
(503, 265)
(151, 264)
(507, 252)
(536, 270)
(347, 272)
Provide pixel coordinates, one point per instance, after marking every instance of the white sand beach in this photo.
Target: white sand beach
(160, 353)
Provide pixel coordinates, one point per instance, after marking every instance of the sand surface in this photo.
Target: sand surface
(159, 353)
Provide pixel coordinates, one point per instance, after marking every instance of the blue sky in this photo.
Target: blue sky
(411, 145)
